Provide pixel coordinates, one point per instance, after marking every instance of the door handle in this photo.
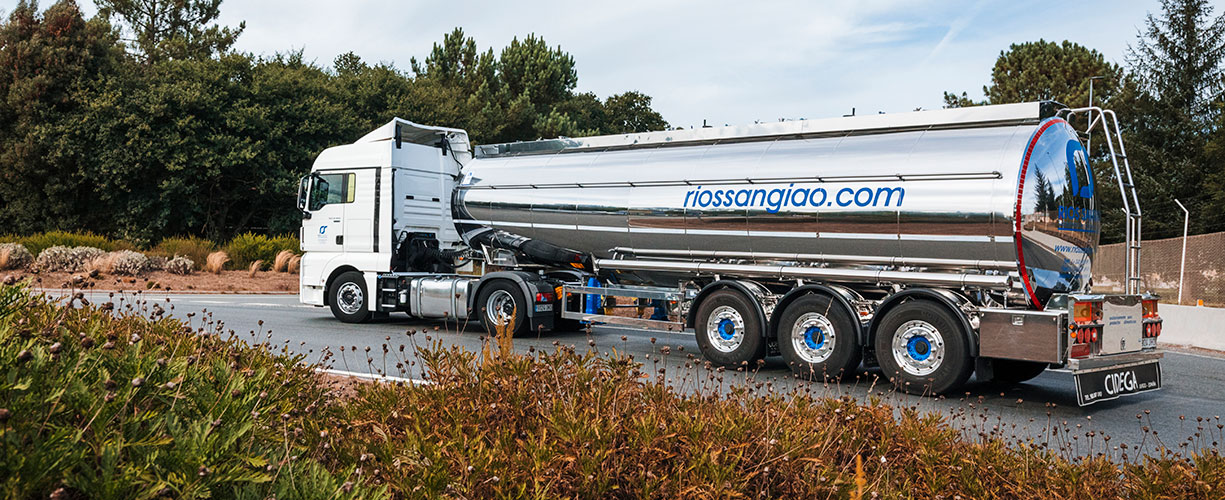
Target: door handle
(340, 239)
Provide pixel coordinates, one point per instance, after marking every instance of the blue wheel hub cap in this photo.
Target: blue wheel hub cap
(727, 329)
(919, 348)
(814, 338)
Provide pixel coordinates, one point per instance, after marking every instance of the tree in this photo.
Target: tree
(1178, 58)
(1042, 70)
(171, 29)
(631, 112)
(1178, 65)
(53, 60)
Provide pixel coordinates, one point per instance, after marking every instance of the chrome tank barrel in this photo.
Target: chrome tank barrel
(1018, 192)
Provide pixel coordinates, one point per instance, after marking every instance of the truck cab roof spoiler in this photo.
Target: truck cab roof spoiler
(975, 116)
(401, 130)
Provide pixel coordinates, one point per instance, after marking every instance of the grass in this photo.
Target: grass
(36, 243)
(215, 262)
(211, 413)
(192, 247)
(247, 248)
(242, 249)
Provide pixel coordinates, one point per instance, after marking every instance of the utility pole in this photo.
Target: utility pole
(1186, 219)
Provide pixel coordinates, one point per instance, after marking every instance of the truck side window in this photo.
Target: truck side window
(332, 188)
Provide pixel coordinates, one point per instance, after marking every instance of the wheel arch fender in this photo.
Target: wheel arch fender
(751, 290)
(842, 296)
(947, 299)
(327, 284)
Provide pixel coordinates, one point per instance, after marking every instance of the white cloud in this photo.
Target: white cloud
(720, 60)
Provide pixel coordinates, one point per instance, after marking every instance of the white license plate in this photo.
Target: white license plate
(544, 307)
(1148, 342)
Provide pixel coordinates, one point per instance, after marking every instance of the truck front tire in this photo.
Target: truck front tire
(348, 298)
(728, 329)
(922, 349)
(818, 338)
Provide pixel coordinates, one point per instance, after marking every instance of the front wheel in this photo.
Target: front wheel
(922, 349)
(728, 329)
(349, 299)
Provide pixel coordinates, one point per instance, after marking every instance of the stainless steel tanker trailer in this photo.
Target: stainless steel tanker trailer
(934, 244)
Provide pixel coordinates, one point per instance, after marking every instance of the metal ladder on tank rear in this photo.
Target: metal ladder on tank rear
(1108, 120)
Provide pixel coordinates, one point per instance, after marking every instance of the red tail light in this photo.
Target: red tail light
(1150, 308)
(1086, 312)
(543, 297)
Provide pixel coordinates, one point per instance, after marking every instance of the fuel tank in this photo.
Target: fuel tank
(999, 183)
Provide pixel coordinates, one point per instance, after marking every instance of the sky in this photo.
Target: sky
(716, 61)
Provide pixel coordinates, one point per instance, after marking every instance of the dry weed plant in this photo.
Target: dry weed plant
(216, 261)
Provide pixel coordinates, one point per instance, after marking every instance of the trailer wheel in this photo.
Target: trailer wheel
(728, 329)
(818, 338)
(502, 302)
(922, 350)
(1008, 371)
(349, 299)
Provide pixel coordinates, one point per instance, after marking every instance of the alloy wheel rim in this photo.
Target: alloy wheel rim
(813, 337)
(725, 329)
(918, 348)
(349, 298)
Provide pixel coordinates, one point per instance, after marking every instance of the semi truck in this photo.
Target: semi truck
(933, 244)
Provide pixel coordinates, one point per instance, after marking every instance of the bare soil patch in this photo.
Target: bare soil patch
(226, 282)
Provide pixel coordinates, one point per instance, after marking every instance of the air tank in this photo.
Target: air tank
(996, 183)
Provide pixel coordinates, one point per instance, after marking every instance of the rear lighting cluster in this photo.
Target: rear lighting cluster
(1150, 308)
(1086, 327)
(545, 297)
(1152, 322)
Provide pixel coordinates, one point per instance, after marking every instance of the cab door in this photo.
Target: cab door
(323, 218)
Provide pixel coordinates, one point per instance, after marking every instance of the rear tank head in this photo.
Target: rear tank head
(1055, 219)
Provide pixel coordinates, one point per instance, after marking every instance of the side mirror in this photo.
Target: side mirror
(306, 215)
(303, 191)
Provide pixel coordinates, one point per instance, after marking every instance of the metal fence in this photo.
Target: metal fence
(1204, 278)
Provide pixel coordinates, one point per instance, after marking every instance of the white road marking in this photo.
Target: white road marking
(1205, 356)
(375, 377)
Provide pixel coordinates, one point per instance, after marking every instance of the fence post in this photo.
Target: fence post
(1182, 267)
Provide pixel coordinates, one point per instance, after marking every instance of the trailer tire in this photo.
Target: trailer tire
(1008, 371)
(922, 349)
(507, 298)
(818, 338)
(728, 329)
(349, 298)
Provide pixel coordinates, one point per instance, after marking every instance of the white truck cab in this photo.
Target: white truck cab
(360, 200)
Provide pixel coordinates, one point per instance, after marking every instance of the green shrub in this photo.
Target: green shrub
(194, 248)
(136, 405)
(65, 259)
(286, 242)
(15, 256)
(36, 243)
(101, 405)
(129, 263)
(179, 265)
(247, 248)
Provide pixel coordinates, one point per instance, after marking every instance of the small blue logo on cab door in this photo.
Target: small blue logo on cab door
(323, 229)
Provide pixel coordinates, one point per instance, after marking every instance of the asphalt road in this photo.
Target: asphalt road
(1043, 410)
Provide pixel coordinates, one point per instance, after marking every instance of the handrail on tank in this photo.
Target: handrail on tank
(1132, 234)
